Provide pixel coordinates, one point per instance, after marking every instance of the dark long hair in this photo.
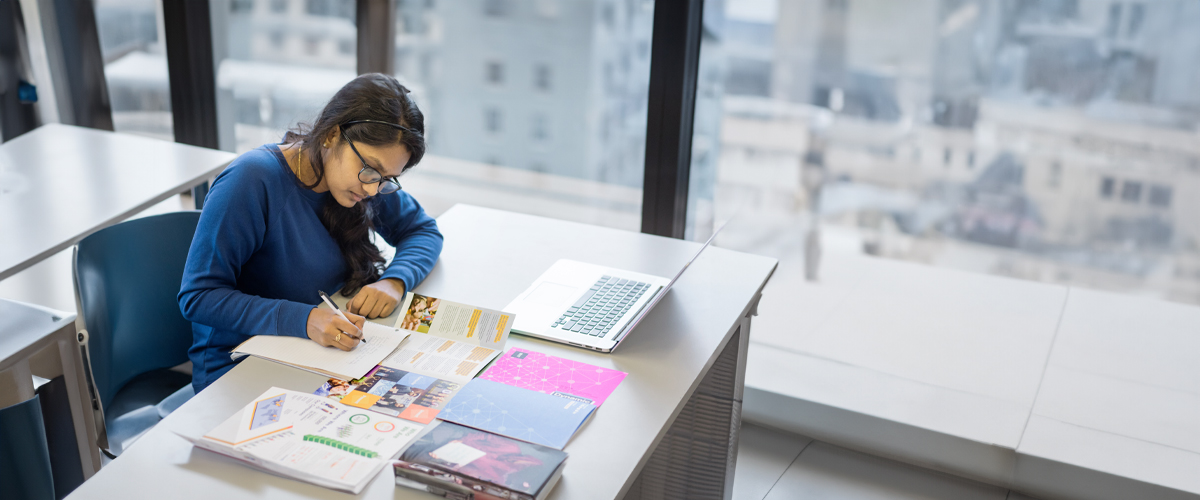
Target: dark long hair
(373, 96)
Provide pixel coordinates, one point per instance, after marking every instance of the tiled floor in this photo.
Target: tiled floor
(775, 465)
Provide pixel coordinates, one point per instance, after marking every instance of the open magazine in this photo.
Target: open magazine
(303, 436)
(448, 343)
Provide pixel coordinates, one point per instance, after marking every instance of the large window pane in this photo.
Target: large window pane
(135, 66)
(278, 62)
(537, 106)
(1048, 140)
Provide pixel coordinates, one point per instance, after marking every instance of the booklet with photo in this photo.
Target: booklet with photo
(303, 436)
(517, 413)
(447, 344)
(553, 375)
(460, 462)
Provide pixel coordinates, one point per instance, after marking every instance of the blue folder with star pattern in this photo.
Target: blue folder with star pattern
(517, 413)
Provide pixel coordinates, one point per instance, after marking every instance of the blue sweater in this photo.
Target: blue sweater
(261, 253)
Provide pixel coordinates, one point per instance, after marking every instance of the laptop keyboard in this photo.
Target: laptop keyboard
(597, 311)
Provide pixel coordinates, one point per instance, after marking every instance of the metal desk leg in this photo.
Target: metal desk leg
(698, 456)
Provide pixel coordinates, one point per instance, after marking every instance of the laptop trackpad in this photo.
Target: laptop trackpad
(553, 294)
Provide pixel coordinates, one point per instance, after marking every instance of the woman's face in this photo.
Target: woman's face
(342, 167)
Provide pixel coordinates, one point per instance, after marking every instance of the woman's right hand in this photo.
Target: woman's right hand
(325, 327)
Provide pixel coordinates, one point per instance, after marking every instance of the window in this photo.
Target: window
(529, 78)
(1107, 185)
(135, 66)
(495, 8)
(540, 127)
(278, 66)
(1160, 196)
(1136, 11)
(495, 73)
(1054, 177)
(541, 77)
(1131, 192)
(492, 120)
(1050, 183)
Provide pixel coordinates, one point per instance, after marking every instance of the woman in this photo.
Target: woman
(284, 221)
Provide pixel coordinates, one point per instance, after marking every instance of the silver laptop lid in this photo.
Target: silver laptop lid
(663, 293)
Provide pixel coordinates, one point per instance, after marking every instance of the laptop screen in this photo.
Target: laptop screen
(663, 293)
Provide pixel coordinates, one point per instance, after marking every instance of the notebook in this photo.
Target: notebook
(553, 375)
(517, 413)
(305, 354)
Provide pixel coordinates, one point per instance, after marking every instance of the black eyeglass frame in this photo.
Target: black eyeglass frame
(368, 174)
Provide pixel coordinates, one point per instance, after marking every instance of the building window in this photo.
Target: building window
(947, 154)
(278, 6)
(540, 127)
(494, 160)
(495, 8)
(971, 159)
(277, 40)
(541, 77)
(1131, 191)
(1136, 13)
(239, 6)
(1055, 177)
(1114, 20)
(1160, 196)
(312, 45)
(1106, 187)
(495, 73)
(492, 121)
(346, 47)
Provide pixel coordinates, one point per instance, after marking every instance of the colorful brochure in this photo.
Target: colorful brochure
(408, 395)
(303, 436)
(554, 375)
(455, 321)
(447, 344)
(517, 413)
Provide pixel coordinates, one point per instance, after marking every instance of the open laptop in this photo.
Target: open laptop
(590, 306)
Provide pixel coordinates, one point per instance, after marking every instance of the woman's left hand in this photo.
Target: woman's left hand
(378, 299)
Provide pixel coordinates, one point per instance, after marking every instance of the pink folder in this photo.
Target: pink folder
(554, 375)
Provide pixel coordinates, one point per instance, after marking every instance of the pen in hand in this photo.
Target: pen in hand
(362, 338)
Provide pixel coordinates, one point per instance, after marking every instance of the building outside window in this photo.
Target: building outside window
(1079, 119)
(581, 66)
(277, 63)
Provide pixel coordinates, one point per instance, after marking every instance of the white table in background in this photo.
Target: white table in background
(58, 184)
(668, 431)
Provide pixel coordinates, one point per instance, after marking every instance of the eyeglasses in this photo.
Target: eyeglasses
(368, 174)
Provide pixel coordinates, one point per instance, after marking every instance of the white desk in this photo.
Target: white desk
(668, 431)
(60, 183)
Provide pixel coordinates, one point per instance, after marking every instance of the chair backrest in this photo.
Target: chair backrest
(127, 277)
(24, 455)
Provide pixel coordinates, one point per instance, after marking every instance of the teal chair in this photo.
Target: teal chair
(127, 277)
(25, 472)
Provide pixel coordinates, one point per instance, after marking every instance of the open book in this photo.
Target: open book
(305, 437)
(448, 343)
